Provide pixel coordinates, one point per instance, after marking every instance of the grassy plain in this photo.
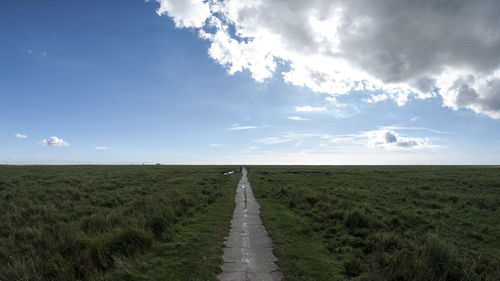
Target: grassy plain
(382, 222)
(113, 222)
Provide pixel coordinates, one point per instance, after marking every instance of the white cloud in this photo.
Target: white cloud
(298, 143)
(393, 127)
(217, 145)
(186, 13)
(287, 138)
(384, 137)
(377, 98)
(272, 140)
(387, 137)
(415, 118)
(20, 136)
(236, 127)
(466, 88)
(100, 147)
(342, 138)
(392, 140)
(298, 118)
(239, 128)
(309, 108)
(408, 49)
(53, 141)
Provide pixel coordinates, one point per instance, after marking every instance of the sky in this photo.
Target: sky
(250, 82)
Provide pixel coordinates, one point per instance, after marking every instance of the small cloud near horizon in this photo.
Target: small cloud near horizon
(20, 136)
(100, 147)
(391, 139)
(54, 141)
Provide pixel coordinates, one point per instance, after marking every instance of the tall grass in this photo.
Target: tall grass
(383, 223)
(107, 222)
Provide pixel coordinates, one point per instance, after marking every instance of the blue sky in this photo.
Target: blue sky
(145, 82)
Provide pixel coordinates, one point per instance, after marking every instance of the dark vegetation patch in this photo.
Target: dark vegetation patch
(383, 223)
(113, 222)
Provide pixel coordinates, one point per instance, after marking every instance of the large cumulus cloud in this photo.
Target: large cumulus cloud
(403, 48)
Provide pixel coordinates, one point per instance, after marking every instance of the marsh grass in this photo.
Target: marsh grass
(382, 223)
(113, 222)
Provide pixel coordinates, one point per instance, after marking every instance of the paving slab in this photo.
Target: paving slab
(248, 255)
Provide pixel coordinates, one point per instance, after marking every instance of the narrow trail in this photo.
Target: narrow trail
(248, 254)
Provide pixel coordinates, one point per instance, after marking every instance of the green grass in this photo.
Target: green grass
(382, 222)
(113, 222)
(327, 223)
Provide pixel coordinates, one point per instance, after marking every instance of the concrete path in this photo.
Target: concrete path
(248, 254)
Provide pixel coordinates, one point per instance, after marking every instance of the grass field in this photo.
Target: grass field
(382, 223)
(327, 223)
(113, 222)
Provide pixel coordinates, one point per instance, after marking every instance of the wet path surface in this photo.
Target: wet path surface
(248, 254)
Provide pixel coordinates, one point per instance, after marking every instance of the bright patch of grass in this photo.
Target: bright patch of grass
(382, 223)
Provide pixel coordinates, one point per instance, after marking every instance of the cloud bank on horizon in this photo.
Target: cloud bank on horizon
(392, 49)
